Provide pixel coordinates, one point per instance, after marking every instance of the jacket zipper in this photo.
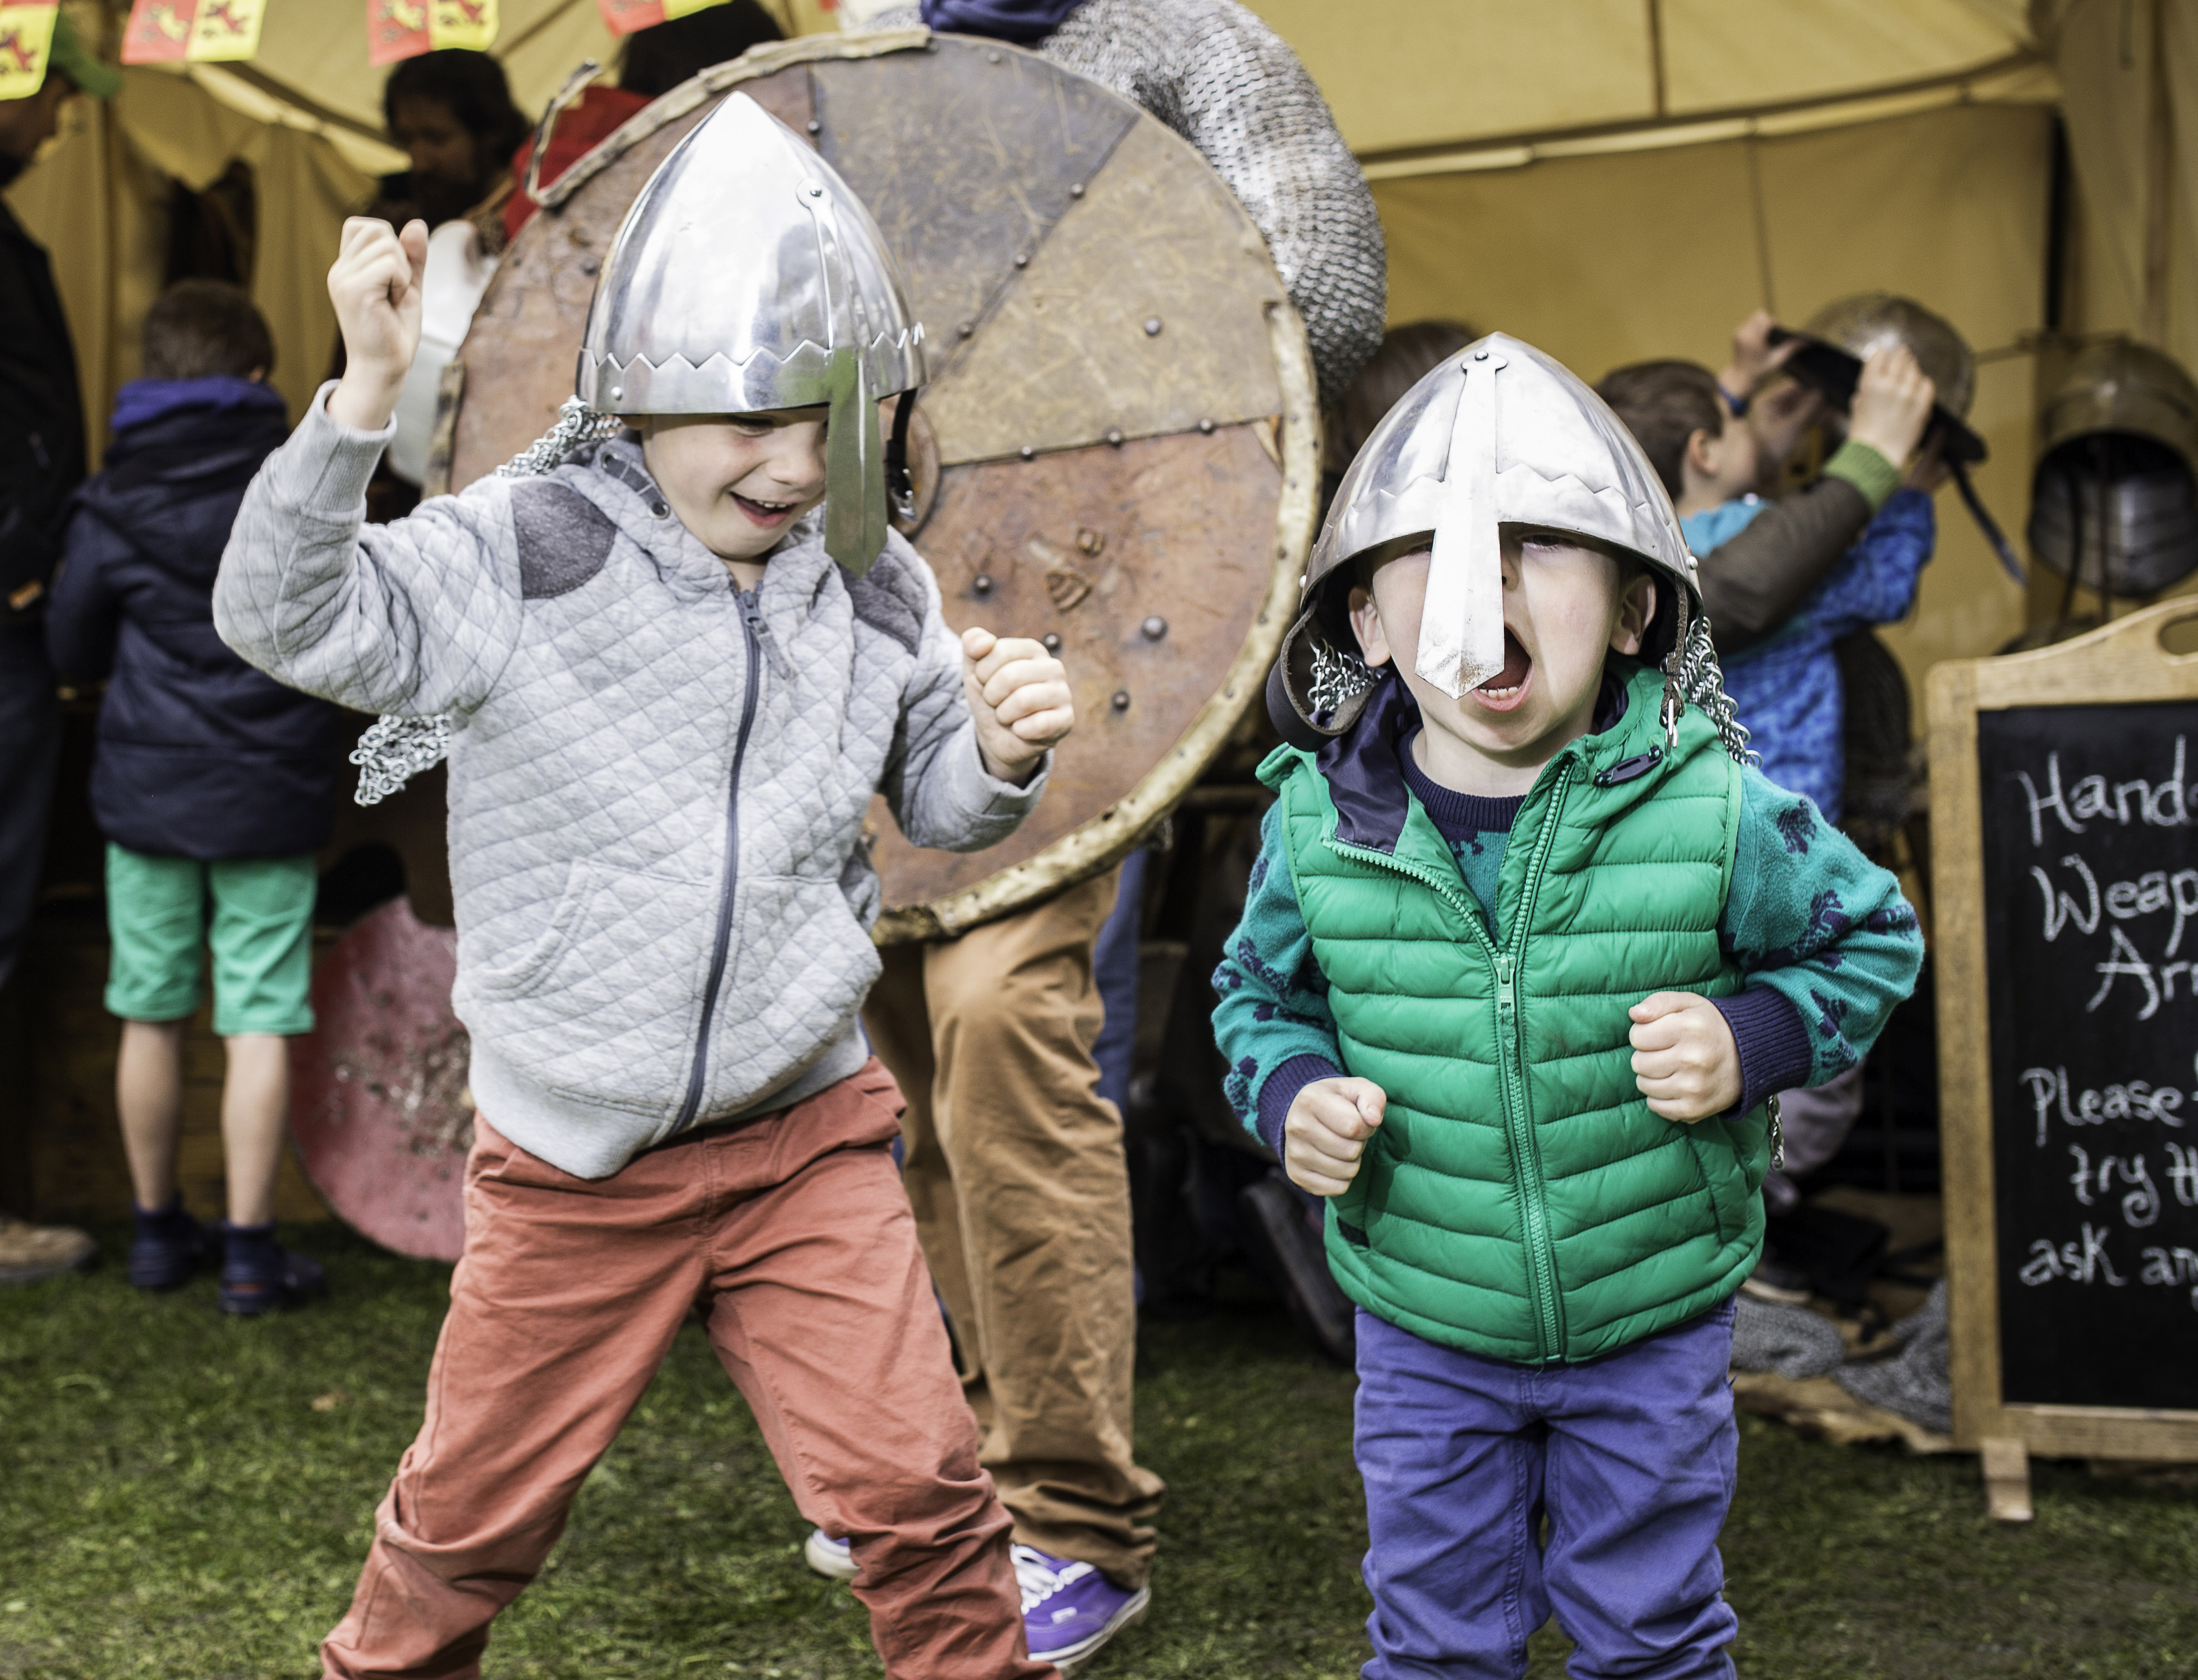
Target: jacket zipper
(1511, 1069)
(752, 631)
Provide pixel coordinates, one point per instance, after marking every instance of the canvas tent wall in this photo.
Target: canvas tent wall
(1610, 178)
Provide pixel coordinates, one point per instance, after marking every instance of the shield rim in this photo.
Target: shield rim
(1103, 840)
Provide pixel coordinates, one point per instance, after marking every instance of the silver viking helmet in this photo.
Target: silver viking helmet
(746, 276)
(1496, 435)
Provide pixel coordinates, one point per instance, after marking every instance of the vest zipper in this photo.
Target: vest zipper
(752, 630)
(1511, 1069)
(1518, 1110)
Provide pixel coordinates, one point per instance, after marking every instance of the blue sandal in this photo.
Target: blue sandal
(257, 1277)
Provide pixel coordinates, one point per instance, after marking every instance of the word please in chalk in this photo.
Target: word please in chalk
(2134, 1099)
(2092, 798)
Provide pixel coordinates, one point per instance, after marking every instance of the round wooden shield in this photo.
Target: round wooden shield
(1116, 450)
(379, 1109)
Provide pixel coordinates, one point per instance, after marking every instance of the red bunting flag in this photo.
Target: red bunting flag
(174, 31)
(399, 29)
(623, 17)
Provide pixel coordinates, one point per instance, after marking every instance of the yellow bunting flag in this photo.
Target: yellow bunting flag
(27, 35)
(172, 32)
(470, 24)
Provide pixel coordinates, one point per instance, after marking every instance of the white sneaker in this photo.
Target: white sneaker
(827, 1556)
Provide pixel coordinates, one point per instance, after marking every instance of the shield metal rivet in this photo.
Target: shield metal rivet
(1022, 259)
(1052, 642)
(1154, 628)
(982, 583)
(1115, 438)
(1205, 426)
(1121, 700)
(1075, 189)
(1029, 453)
(816, 127)
(1152, 326)
(991, 58)
(590, 265)
(966, 328)
(618, 393)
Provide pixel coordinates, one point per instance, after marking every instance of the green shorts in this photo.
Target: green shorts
(262, 936)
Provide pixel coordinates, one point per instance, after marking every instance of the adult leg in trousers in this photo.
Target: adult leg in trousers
(1016, 1173)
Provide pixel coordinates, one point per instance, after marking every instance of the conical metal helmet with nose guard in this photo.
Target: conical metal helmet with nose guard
(1497, 434)
(749, 276)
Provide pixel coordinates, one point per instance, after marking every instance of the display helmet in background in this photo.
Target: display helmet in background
(749, 276)
(1497, 434)
(2113, 500)
(1868, 320)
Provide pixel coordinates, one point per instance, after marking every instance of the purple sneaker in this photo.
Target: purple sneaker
(1070, 1609)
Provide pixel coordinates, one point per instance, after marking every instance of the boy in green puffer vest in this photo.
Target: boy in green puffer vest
(1527, 946)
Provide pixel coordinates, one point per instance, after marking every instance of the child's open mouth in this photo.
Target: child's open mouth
(1505, 691)
(764, 512)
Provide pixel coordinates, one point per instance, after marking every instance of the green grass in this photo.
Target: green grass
(173, 1503)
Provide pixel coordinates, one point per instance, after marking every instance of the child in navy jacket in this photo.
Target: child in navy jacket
(211, 781)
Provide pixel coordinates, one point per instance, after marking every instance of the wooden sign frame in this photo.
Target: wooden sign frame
(2125, 662)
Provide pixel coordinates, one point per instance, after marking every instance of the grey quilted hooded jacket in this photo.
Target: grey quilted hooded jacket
(657, 782)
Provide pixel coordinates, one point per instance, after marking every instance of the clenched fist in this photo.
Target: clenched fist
(1685, 1058)
(1325, 1132)
(1019, 695)
(377, 287)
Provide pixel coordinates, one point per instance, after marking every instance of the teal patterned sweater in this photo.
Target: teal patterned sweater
(1827, 941)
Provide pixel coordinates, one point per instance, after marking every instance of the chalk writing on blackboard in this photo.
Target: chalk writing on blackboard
(2091, 861)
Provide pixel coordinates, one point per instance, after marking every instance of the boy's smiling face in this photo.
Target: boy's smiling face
(738, 481)
(1564, 608)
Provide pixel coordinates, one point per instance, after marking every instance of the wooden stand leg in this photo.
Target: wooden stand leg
(2007, 1478)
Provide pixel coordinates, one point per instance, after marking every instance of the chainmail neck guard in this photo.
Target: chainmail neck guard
(394, 749)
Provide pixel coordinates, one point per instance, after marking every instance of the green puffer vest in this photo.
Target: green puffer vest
(1520, 1200)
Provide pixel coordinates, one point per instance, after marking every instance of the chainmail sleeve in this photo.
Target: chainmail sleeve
(1220, 77)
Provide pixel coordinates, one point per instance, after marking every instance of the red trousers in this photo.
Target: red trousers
(793, 1236)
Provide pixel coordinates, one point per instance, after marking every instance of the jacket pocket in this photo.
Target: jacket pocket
(522, 974)
(602, 1004)
(1723, 1176)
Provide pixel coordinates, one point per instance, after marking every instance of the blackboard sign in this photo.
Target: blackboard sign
(2091, 884)
(2064, 924)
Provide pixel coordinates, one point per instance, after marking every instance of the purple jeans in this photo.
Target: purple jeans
(1632, 1460)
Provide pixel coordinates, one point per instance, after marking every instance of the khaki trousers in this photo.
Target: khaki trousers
(1016, 1172)
(793, 1237)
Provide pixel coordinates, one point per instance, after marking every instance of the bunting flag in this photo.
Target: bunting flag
(174, 31)
(623, 17)
(399, 29)
(27, 35)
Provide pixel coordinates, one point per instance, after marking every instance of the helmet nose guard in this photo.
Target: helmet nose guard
(748, 276)
(1498, 435)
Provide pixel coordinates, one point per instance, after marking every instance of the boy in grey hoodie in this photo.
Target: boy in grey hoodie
(670, 696)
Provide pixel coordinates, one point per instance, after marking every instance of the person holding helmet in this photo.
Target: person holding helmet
(673, 650)
(1527, 946)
